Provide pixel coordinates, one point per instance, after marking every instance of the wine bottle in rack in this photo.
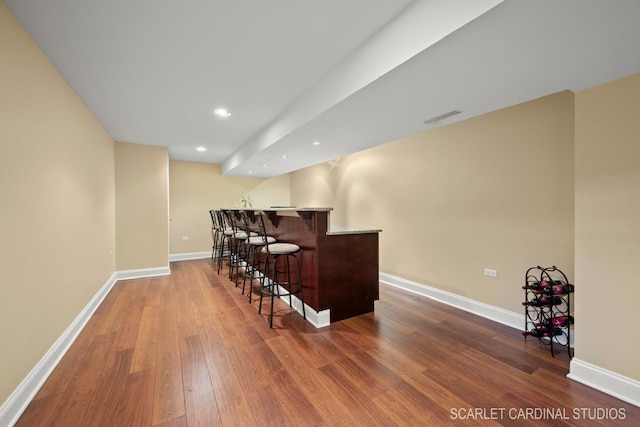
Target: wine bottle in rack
(542, 332)
(534, 286)
(543, 301)
(556, 322)
(557, 289)
(541, 285)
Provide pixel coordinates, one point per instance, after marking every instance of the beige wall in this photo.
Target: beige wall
(607, 225)
(57, 192)
(494, 191)
(195, 188)
(142, 206)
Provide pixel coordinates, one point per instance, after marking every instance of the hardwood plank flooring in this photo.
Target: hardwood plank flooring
(190, 350)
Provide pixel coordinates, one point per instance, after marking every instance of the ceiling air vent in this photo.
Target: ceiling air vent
(441, 117)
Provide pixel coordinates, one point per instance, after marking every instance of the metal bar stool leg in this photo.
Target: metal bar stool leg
(274, 289)
(264, 284)
(300, 287)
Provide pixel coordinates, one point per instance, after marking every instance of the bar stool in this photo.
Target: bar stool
(226, 233)
(238, 248)
(271, 285)
(216, 232)
(253, 243)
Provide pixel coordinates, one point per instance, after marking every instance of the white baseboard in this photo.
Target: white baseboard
(18, 401)
(608, 382)
(319, 319)
(189, 255)
(142, 272)
(496, 314)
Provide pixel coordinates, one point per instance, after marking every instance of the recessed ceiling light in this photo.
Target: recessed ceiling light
(284, 156)
(264, 166)
(201, 149)
(316, 142)
(250, 172)
(221, 112)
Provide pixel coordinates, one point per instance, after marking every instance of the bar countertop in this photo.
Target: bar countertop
(343, 229)
(333, 230)
(294, 209)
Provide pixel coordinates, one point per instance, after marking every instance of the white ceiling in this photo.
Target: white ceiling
(351, 74)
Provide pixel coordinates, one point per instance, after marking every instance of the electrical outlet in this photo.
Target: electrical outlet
(491, 273)
(185, 237)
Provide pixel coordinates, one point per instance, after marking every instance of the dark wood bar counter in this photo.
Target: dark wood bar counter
(339, 265)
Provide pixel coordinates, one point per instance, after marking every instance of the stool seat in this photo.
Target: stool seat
(259, 241)
(242, 235)
(280, 249)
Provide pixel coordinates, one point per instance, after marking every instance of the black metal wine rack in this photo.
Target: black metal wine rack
(547, 307)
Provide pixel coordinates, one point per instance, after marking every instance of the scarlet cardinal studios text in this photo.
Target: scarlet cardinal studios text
(537, 413)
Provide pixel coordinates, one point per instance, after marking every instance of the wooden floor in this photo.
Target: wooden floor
(189, 350)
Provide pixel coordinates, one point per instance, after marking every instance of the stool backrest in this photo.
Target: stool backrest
(231, 216)
(262, 230)
(246, 226)
(222, 220)
(214, 219)
(232, 221)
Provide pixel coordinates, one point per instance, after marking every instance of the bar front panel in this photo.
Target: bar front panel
(339, 271)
